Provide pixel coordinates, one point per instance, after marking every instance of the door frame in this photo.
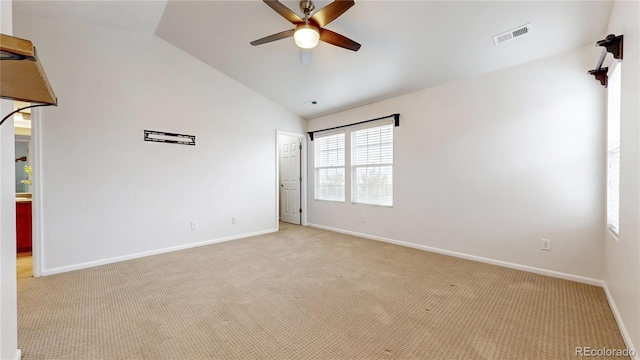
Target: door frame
(303, 171)
(37, 212)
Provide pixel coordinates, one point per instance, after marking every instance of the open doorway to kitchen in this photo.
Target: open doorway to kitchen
(23, 182)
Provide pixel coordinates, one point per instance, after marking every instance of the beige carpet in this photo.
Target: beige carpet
(305, 293)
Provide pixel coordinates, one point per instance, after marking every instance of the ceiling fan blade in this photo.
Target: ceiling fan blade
(284, 11)
(336, 39)
(305, 57)
(330, 12)
(274, 37)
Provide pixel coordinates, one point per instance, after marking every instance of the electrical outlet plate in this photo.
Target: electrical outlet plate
(194, 225)
(233, 220)
(364, 218)
(545, 244)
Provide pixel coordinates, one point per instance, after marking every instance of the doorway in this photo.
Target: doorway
(23, 181)
(291, 162)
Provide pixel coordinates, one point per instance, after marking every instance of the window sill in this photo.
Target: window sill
(333, 201)
(376, 205)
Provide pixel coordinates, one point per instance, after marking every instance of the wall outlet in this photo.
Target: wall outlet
(194, 225)
(364, 218)
(233, 220)
(545, 244)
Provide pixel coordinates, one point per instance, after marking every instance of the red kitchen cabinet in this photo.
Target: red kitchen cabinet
(23, 226)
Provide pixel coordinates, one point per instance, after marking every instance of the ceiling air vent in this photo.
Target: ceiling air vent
(512, 34)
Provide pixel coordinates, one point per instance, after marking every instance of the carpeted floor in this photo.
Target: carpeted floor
(305, 293)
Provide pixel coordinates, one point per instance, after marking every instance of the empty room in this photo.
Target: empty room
(319, 179)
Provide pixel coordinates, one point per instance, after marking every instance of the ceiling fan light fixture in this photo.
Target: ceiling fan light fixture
(306, 36)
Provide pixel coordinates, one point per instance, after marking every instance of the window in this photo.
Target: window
(372, 165)
(329, 167)
(613, 149)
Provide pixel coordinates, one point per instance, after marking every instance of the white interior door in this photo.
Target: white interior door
(290, 178)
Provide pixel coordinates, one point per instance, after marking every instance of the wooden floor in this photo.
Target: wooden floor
(24, 265)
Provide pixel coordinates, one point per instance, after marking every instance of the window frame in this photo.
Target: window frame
(353, 168)
(316, 168)
(613, 152)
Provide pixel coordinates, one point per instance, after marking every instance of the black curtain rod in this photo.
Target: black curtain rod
(396, 117)
(612, 44)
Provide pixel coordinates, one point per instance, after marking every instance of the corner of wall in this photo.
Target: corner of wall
(8, 292)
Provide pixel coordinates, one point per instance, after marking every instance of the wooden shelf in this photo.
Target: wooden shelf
(21, 74)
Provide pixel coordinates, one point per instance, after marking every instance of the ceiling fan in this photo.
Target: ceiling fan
(310, 30)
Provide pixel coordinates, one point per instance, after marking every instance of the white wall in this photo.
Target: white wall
(8, 304)
(107, 194)
(490, 165)
(622, 265)
(22, 149)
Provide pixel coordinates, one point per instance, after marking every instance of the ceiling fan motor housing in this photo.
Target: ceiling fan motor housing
(307, 7)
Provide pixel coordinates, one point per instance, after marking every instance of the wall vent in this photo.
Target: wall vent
(512, 34)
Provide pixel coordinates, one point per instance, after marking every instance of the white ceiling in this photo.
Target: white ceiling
(406, 45)
(140, 16)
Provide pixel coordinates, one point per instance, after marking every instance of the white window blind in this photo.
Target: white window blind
(613, 150)
(372, 165)
(329, 167)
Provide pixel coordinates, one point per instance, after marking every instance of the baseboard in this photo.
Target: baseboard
(116, 259)
(556, 274)
(18, 355)
(623, 330)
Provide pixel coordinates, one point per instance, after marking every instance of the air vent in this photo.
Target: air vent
(512, 34)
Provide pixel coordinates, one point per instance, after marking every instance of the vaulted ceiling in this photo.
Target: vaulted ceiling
(406, 45)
